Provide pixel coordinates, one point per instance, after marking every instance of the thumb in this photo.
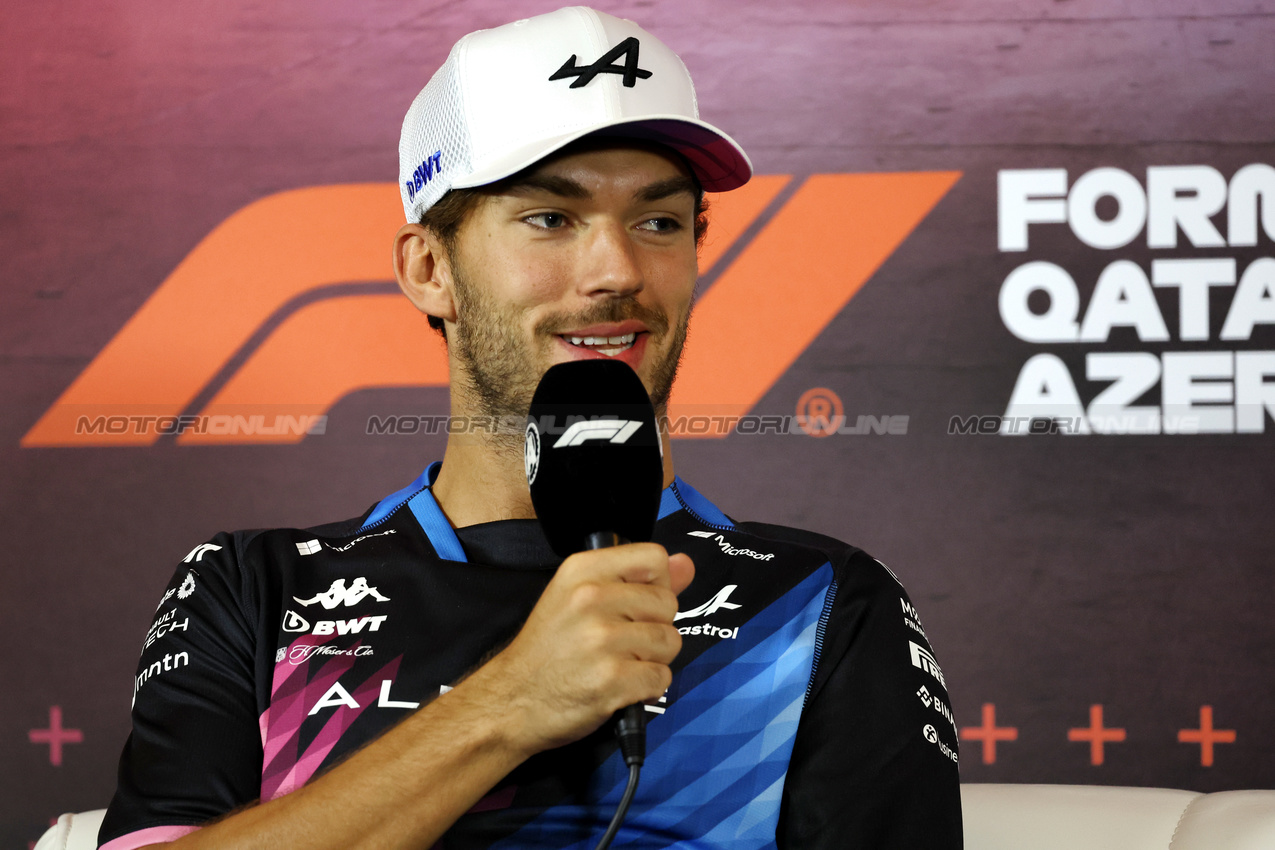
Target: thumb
(681, 570)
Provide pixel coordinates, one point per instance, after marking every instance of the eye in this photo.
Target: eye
(547, 220)
(661, 225)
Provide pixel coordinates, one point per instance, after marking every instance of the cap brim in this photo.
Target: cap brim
(718, 161)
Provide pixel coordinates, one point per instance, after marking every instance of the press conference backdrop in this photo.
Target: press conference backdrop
(998, 309)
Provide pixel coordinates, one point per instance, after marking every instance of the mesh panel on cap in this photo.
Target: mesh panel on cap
(434, 123)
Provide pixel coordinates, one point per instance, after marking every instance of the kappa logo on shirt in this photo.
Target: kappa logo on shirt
(338, 593)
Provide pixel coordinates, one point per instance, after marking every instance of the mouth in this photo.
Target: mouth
(608, 346)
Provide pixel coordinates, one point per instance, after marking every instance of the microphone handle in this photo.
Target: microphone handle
(630, 721)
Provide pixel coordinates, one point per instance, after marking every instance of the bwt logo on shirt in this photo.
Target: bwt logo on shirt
(424, 172)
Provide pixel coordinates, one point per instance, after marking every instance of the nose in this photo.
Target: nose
(611, 264)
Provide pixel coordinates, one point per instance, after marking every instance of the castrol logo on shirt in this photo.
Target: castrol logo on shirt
(719, 601)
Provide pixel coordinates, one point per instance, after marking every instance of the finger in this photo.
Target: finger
(655, 642)
(625, 601)
(681, 571)
(636, 563)
(649, 681)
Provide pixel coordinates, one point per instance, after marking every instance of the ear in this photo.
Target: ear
(424, 272)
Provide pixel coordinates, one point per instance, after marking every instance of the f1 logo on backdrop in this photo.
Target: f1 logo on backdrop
(283, 309)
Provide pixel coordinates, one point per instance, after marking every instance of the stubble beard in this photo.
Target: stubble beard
(500, 373)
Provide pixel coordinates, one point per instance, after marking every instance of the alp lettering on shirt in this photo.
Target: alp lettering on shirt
(338, 695)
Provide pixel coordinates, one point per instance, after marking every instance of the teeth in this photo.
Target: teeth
(624, 341)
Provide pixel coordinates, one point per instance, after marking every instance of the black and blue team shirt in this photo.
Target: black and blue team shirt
(806, 709)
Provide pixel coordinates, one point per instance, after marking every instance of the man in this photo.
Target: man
(430, 671)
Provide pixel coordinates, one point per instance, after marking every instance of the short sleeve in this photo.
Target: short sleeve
(875, 759)
(195, 751)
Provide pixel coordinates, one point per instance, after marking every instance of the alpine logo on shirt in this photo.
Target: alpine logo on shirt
(711, 606)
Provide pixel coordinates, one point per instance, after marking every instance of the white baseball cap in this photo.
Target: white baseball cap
(510, 96)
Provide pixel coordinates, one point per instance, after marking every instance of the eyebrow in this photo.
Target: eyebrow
(667, 188)
(565, 187)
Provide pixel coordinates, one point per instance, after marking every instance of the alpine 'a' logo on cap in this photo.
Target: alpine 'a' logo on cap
(606, 65)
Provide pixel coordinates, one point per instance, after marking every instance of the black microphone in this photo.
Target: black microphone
(595, 466)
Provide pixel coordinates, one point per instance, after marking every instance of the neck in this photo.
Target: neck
(483, 480)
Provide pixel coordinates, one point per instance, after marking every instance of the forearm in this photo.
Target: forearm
(403, 790)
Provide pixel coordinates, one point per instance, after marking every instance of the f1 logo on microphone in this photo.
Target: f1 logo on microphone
(612, 430)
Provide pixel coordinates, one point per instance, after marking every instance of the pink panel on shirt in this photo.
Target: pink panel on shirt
(150, 835)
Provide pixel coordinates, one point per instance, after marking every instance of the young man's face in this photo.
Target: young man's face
(591, 254)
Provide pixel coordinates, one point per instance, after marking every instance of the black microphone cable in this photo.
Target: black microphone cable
(630, 728)
(630, 724)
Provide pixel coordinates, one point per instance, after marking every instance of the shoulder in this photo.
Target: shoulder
(250, 545)
(687, 513)
(849, 562)
(239, 564)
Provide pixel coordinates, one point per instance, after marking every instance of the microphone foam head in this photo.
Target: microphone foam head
(592, 454)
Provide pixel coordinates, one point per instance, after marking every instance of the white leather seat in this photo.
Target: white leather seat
(1094, 817)
(73, 832)
(1021, 817)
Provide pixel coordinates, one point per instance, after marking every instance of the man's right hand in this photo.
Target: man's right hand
(600, 638)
